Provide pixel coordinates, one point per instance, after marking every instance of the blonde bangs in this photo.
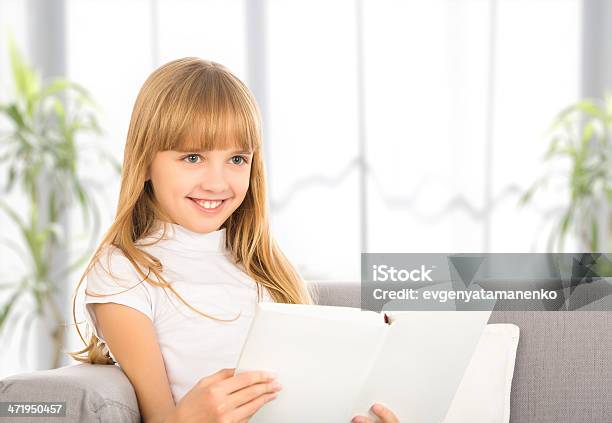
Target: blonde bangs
(212, 112)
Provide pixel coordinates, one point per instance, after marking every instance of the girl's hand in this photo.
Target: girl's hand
(225, 398)
(385, 415)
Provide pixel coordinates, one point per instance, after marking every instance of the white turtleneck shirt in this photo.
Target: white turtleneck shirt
(201, 270)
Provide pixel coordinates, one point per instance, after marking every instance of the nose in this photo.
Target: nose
(213, 179)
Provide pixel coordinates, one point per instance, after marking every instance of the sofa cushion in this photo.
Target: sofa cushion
(563, 370)
(92, 392)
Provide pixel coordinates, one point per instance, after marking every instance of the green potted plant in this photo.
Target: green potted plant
(40, 154)
(579, 138)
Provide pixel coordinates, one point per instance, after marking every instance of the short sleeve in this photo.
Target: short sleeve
(115, 280)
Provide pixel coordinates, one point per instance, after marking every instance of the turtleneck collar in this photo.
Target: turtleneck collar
(185, 239)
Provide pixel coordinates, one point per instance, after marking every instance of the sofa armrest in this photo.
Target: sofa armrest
(92, 392)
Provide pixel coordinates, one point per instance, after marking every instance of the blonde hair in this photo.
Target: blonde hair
(198, 105)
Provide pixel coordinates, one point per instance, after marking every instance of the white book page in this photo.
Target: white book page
(322, 359)
(422, 362)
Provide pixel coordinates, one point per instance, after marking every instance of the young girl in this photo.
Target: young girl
(172, 287)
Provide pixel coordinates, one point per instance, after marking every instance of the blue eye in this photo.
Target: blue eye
(244, 160)
(187, 157)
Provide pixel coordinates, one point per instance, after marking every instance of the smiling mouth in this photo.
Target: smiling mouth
(208, 204)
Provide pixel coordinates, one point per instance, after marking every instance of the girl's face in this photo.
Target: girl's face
(200, 190)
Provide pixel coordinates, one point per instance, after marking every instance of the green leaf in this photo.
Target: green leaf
(11, 244)
(13, 215)
(587, 135)
(13, 112)
(564, 226)
(12, 173)
(26, 80)
(527, 195)
(17, 66)
(83, 200)
(57, 231)
(7, 306)
(6, 285)
(594, 235)
(60, 112)
(590, 107)
(57, 86)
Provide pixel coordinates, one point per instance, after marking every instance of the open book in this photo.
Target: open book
(335, 362)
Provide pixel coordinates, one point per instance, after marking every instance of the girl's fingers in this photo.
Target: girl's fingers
(384, 413)
(249, 393)
(361, 419)
(247, 410)
(243, 380)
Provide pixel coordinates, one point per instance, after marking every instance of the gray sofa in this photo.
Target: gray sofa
(563, 371)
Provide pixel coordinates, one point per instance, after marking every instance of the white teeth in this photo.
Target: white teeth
(209, 204)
